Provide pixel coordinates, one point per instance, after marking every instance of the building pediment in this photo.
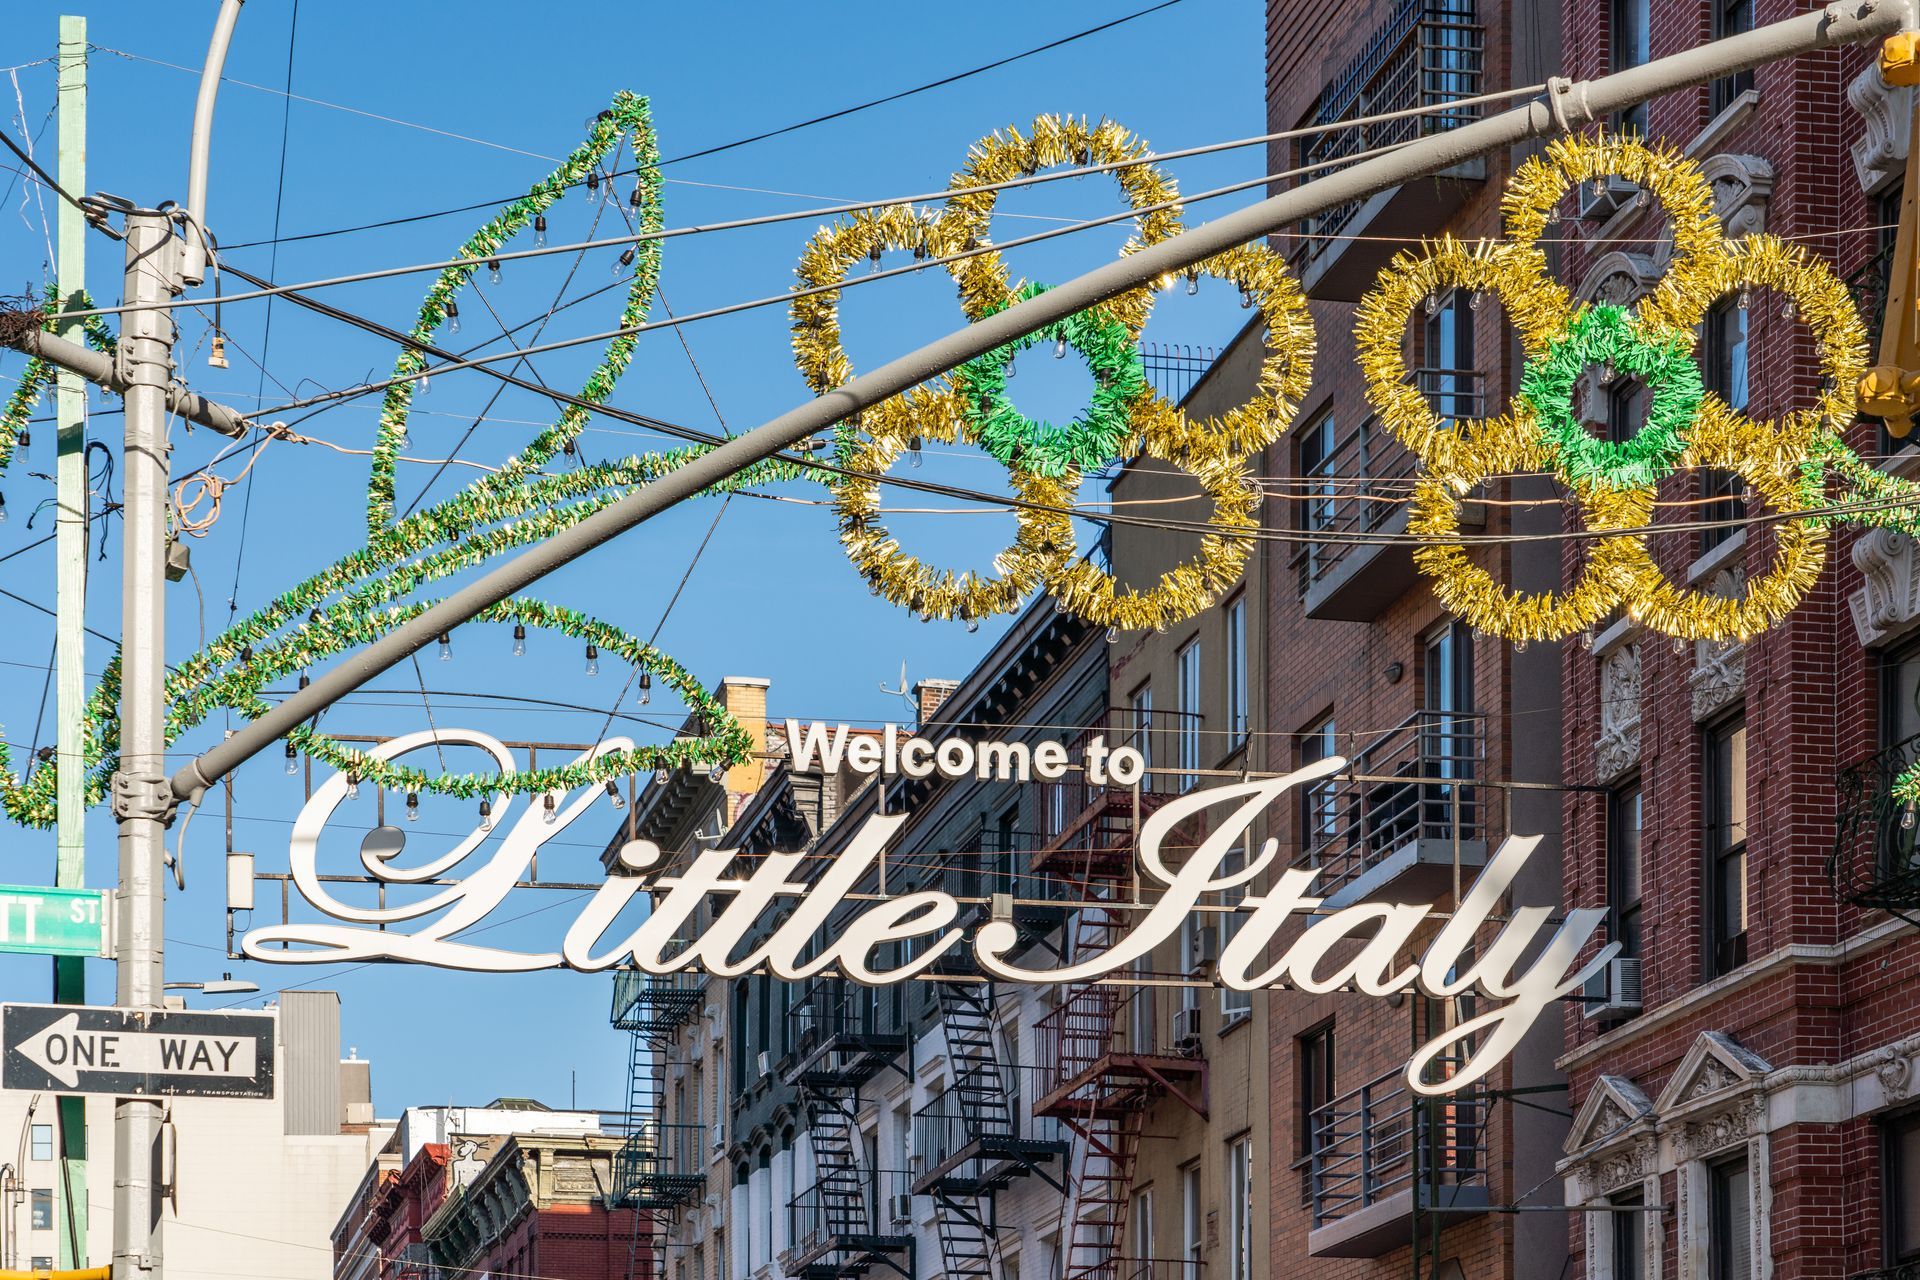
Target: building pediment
(1615, 1107)
(1716, 1067)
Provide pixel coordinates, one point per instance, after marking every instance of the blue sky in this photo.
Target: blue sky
(770, 595)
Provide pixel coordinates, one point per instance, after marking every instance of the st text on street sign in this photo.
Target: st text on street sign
(127, 1052)
(55, 922)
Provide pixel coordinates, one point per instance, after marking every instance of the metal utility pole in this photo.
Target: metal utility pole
(70, 636)
(142, 801)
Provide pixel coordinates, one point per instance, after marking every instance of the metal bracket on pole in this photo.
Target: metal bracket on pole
(143, 796)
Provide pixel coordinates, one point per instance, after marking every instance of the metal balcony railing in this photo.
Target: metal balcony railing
(859, 1215)
(1158, 1269)
(1383, 1139)
(1411, 784)
(1173, 368)
(1367, 479)
(1869, 285)
(1428, 56)
(653, 1005)
(1898, 1271)
(1079, 815)
(659, 1165)
(1876, 851)
(1096, 1023)
(830, 1008)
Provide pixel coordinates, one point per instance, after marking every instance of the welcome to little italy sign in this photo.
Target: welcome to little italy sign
(1366, 947)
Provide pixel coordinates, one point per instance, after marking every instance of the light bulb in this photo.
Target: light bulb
(519, 640)
(873, 257)
(662, 776)
(547, 813)
(3, 508)
(913, 451)
(1113, 635)
(973, 625)
(626, 260)
(1010, 370)
(1246, 300)
(718, 772)
(1193, 283)
(305, 680)
(593, 182)
(1642, 199)
(486, 816)
(353, 786)
(1586, 639)
(446, 647)
(1907, 817)
(293, 761)
(493, 271)
(1746, 296)
(420, 385)
(638, 198)
(1060, 349)
(613, 794)
(593, 661)
(1433, 304)
(539, 230)
(413, 806)
(1553, 216)
(453, 316)
(646, 688)
(1474, 299)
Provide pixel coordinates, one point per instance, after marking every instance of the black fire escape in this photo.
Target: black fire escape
(848, 1221)
(658, 1170)
(1876, 851)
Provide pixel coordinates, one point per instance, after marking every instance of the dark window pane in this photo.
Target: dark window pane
(1726, 846)
(1623, 867)
(1901, 1153)
(1729, 1249)
(1629, 1262)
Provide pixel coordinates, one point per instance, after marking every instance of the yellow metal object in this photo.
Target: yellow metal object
(1900, 58)
(87, 1273)
(1891, 389)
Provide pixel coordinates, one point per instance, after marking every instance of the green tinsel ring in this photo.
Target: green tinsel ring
(1604, 335)
(1091, 440)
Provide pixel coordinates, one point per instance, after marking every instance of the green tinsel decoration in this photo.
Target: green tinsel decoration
(1091, 440)
(1605, 335)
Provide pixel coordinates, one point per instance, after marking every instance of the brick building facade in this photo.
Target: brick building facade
(1748, 1114)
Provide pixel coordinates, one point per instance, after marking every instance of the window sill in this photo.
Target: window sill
(1718, 558)
(1230, 1022)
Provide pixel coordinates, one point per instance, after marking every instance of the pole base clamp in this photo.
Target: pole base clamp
(143, 796)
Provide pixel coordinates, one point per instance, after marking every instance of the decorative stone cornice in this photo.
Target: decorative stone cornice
(1881, 152)
(1617, 750)
(1719, 675)
(1741, 185)
(1619, 277)
(1887, 605)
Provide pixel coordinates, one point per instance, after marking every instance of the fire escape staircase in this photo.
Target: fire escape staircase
(657, 1171)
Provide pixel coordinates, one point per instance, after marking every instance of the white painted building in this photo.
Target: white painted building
(257, 1184)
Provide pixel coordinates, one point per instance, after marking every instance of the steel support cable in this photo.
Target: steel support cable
(1567, 105)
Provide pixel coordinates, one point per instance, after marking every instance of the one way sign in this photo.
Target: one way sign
(125, 1052)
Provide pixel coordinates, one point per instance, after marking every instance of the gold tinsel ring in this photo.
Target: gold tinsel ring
(1286, 371)
(965, 222)
(1537, 187)
(1043, 543)
(1472, 593)
(1516, 274)
(1727, 442)
(1087, 591)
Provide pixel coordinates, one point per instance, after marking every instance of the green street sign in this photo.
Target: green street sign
(56, 922)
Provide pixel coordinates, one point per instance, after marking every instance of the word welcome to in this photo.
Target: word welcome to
(1358, 947)
(893, 751)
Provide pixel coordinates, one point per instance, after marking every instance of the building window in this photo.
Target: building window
(42, 1209)
(1726, 846)
(1899, 697)
(1233, 1004)
(1190, 1222)
(1143, 1225)
(42, 1262)
(1629, 1241)
(1631, 46)
(1626, 406)
(1448, 378)
(1319, 496)
(1140, 704)
(1730, 18)
(1314, 1054)
(1240, 1208)
(1900, 1180)
(1237, 672)
(1623, 867)
(1319, 803)
(1187, 664)
(1729, 1246)
(41, 1136)
(1725, 341)
(1447, 743)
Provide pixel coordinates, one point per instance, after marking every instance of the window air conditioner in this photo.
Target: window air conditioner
(1613, 990)
(1186, 1028)
(1601, 201)
(1203, 947)
(900, 1209)
(764, 1064)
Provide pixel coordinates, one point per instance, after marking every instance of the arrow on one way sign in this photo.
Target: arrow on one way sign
(126, 1052)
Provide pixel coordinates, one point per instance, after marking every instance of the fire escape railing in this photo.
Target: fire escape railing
(1414, 782)
(833, 1216)
(1876, 850)
(660, 1165)
(1428, 56)
(1368, 477)
(1383, 1139)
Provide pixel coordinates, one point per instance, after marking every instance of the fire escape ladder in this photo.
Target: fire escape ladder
(639, 1157)
(966, 1236)
(1109, 1146)
(831, 1112)
(979, 1080)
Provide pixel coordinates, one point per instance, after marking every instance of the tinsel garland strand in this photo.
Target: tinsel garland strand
(1091, 440)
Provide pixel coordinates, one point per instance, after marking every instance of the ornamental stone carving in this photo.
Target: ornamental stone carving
(1640, 1161)
(1715, 1133)
(1896, 1078)
(1719, 675)
(1617, 749)
(1620, 278)
(1741, 187)
(1888, 112)
(1888, 602)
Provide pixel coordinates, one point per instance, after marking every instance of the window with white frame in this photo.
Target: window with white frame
(1233, 1004)
(1240, 1208)
(1187, 668)
(1140, 707)
(42, 1140)
(1190, 1214)
(1143, 1225)
(1237, 696)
